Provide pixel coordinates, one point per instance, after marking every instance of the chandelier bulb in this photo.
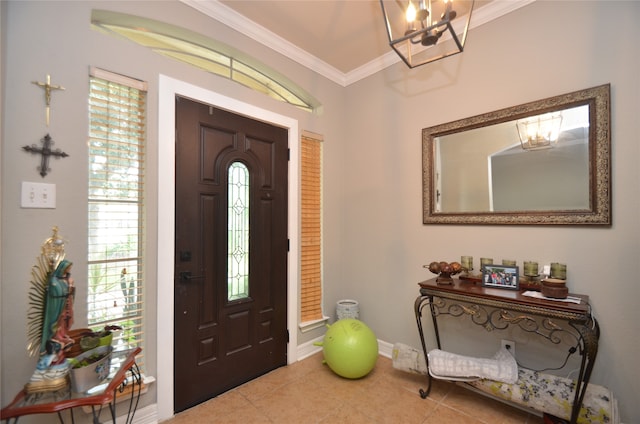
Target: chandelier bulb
(411, 12)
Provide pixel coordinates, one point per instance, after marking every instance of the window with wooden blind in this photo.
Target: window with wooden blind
(117, 117)
(311, 232)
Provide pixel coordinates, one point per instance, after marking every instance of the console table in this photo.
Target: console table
(497, 309)
(124, 372)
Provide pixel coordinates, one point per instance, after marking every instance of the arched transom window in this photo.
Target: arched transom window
(204, 53)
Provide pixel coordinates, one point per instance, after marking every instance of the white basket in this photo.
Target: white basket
(348, 308)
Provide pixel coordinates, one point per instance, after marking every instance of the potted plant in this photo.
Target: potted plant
(90, 368)
(93, 339)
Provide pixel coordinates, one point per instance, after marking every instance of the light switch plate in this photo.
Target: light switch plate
(38, 195)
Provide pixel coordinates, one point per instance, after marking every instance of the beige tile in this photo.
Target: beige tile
(309, 392)
(280, 377)
(388, 402)
(301, 401)
(227, 403)
(243, 416)
(484, 408)
(262, 386)
(445, 415)
(301, 368)
(347, 414)
(414, 383)
(341, 388)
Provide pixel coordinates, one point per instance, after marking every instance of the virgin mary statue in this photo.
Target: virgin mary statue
(51, 316)
(58, 314)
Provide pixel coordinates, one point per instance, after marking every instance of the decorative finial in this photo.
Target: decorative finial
(53, 249)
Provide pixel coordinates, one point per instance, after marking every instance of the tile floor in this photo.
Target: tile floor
(309, 392)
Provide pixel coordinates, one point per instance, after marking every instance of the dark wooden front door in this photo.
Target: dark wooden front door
(231, 251)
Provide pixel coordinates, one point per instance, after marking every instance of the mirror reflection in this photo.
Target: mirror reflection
(543, 162)
(490, 169)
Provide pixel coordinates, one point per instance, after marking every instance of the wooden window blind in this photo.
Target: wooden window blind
(311, 223)
(117, 118)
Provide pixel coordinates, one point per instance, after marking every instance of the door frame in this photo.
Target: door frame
(168, 88)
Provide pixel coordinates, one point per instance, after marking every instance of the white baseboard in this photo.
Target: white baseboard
(309, 348)
(385, 349)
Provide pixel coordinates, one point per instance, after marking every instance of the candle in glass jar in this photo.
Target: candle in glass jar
(530, 268)
(508, 262)
(559, 271)
(485, 261)
(466, 262)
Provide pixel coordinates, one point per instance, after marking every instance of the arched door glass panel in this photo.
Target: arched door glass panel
(238, 232)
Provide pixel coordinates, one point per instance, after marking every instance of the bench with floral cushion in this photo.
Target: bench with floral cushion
(501, 377)
(553, 395)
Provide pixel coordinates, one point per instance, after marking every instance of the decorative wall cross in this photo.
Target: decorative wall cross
(47, 93)
(46, 152)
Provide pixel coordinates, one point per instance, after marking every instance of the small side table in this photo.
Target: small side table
(124, 371)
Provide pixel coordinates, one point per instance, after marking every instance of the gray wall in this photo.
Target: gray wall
(54, 37)
(381, 242)
(375, 242)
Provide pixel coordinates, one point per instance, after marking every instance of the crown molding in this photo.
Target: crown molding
(224, 14)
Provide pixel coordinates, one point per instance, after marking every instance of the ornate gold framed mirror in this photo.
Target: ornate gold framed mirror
(546, 162)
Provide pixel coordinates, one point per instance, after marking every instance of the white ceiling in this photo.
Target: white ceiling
(344, 40)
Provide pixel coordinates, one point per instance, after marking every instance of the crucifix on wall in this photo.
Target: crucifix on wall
(48, 88)
(46, 151)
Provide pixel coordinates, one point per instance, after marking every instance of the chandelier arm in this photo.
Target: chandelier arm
(419, 32)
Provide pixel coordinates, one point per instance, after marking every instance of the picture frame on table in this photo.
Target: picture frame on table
(501, 277)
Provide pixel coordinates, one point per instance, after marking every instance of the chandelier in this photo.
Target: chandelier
(415, 29)
(539, 132)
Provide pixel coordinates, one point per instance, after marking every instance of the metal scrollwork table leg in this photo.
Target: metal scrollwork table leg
(420, 303)
(588, 336)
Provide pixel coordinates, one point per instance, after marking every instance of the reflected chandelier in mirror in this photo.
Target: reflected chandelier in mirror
(545, 162)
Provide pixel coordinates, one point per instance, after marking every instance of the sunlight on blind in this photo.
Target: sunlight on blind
(311, 232)
(117, 115)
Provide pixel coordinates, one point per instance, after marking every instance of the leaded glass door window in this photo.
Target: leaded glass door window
(238, 239)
